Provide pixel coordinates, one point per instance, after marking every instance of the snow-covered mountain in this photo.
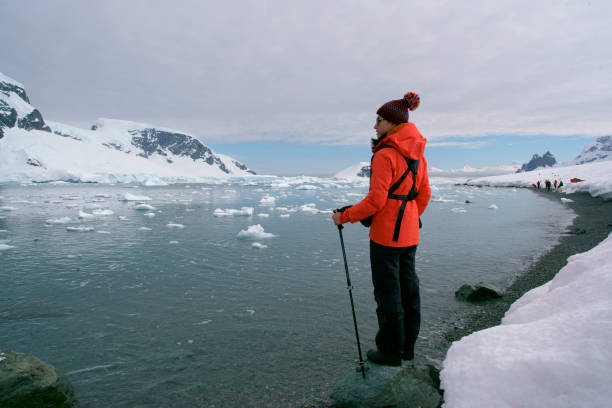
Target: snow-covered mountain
(547, 160)
(600, 149)
(359, 171)
(32, 149)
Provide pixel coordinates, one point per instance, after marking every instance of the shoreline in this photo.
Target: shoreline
(592, 224)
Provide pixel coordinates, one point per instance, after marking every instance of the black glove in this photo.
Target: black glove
(341, 210)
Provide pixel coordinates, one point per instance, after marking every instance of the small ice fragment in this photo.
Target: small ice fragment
(202, 323)
(61, 220)
(144, 229)
(103, 212)
(307, 187)
(493, 207)
(285, 215)
(179, 226)
(244, 211)
(84, 215)
(267, 200)
(263, 215)
(144, 207)
(103, 232)
(6, 209)
(123, 218)
(173, 242)
(149, 214)
(250, 311)
(255, 232)
(459, 210)
(79, 229)
(4, 247)
(258, 245)
(566, 200)
(133, 197)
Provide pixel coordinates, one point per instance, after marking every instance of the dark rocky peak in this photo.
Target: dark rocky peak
(365, 171)
(547, 160)
(15, 108)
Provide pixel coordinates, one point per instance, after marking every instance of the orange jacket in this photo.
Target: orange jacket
(388, 165)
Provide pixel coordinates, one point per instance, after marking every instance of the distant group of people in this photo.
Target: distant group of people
(549, 185)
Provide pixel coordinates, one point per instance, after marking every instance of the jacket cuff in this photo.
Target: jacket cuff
(343, 217)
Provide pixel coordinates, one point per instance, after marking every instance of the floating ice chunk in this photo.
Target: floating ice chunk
(4, 247)
(459, 210)
(566, 200)
(173, 242)
(311, 208)
(258, 245)
(103, 232)
(493, 207)
(202, 323)
(441, 199)
(149, 214)
(7, 209)
(250, 311)
(3, 231)
(123, 218)
(263, 215)
(61, 220)
(255, 232)
(285, 215)
(134, 197)
(245, 211)
(103, 212)
(307, 187)
(179, 226)
(79, 229)
(144, 207)
(267, 200)
(144, 229)
(85, 215)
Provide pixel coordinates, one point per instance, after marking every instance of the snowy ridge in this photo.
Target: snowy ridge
(600, 149)
(113, 151)
(595, 178)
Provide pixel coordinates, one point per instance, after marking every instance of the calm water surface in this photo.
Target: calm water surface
(175, 310)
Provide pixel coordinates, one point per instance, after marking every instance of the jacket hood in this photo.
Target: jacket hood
(407, 139)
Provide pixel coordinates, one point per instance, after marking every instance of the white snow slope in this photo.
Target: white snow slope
(107, 154)
(554, 346)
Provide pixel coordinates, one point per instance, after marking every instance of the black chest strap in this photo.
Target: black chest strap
(412, 166)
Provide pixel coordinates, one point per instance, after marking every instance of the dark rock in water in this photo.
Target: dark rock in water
(28, 382)
(478, 293)
(576, 231)
(412, 385)
(468, 202)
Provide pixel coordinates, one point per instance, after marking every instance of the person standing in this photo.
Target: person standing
(399, 194)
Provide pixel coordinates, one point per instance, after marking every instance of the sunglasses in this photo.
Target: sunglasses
(378, 120)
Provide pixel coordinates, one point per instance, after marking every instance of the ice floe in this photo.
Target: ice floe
(134, 197)
(172, 225)
(144, 207)
(255, 232)
(244, 211)
(60, 220)
(258, 245)
(79, 229)
(267, 200)
(102, 212)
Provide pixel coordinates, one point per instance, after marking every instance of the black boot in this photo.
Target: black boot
(377, 357)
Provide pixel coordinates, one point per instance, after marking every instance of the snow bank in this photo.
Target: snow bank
(553, 348)
(597, 178)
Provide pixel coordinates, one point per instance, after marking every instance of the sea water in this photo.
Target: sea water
(177, 296)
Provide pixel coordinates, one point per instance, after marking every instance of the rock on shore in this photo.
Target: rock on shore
(28, 382)
(413, 384)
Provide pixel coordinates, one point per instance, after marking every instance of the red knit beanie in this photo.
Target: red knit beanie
(397, 111)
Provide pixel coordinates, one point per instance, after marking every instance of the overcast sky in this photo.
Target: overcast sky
(315, 72)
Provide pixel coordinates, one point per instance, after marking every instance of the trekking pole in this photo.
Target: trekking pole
(361, 367)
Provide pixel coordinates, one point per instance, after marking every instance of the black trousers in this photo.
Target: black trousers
(396, 290)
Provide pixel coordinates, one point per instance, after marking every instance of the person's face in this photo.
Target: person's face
(382, 127)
